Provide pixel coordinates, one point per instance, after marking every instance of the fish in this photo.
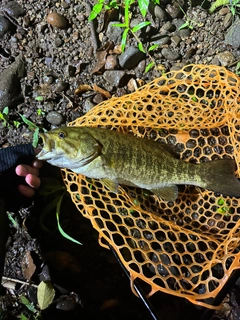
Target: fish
(120, 159)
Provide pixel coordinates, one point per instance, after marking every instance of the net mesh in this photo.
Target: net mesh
(188, 247)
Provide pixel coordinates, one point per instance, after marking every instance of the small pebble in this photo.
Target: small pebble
(164, 39)
(48, 79)
(98, 98)
(48, 107)
(176, 40)
(170, 54)
(223, 11)
(70, 71)
(160, 13)
(228, 20)
(130, 58)
(173, 10)
(114, 77)
(55, 118)
(88, 105)
(225, 58)
(56, 20)
(114, 33)
(61, 86)
(111, 62)
(232, 36)
(13, 9)
(5, 26)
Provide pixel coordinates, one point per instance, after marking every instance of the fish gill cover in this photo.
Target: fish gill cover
(188, 247)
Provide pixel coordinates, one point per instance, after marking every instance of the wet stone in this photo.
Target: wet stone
(88, 105)
(5, 26)
(160, 13)
(183, 33)
(55, 118)
(167, 27)
(61, 86)
(111, 62)
(170, 54)
(228, 20)
(225, 58)
(114, 77)
(176, 40)
(114, 33)
(10, 88)
(173, 10)
(232, 36)
(98, 98)
(130, 58)
(56, 20)
(13, 9)
(160, 40)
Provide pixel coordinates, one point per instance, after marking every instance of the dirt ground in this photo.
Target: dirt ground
(55, 68)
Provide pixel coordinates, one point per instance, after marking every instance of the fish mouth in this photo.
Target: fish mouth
(47, 151)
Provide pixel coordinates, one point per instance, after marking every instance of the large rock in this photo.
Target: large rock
(232, 37)
(10, 87)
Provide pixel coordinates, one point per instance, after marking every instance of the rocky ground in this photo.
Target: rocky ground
(55, 66)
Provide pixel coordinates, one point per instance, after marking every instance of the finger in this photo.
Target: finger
(33, 181)
(37, 164)
(23, 170)
(26, 191)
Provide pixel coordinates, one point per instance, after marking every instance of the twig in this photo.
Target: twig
(5, 279)
(92, 28)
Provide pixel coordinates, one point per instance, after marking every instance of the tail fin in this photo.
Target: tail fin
(219, 177)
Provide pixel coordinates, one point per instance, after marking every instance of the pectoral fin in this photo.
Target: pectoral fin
(168, 193)
(111, 185)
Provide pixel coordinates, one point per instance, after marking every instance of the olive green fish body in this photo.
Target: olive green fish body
(116, 158)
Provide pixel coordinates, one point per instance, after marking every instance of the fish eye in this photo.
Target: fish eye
(61, 135)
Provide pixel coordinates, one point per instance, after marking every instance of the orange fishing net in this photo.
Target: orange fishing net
(189, 247)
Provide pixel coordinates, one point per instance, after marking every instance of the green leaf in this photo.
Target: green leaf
(185, 25)
(141, 25)
(217, 4)
(153, 47)
(35, 138)
(39, 98)
(124, 39)
(6, 111)
(22, 317)
(65, 235)
(97, 8)
(120, 25)
(140, 47)
(30, 124)
(28, 304)
(143, 6)
(13, 221)
(16, 123)
(221, 201)
(149, 66)
(45, 294)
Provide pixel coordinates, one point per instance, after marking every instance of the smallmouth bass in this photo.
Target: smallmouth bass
(116, 158)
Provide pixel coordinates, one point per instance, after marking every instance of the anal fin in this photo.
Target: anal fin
(111, 185)
(168, 193)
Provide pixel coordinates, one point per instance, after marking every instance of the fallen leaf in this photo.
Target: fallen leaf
(28, 266)
(45, 294)
(103, 92)
(101, 55)
(82, 89)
